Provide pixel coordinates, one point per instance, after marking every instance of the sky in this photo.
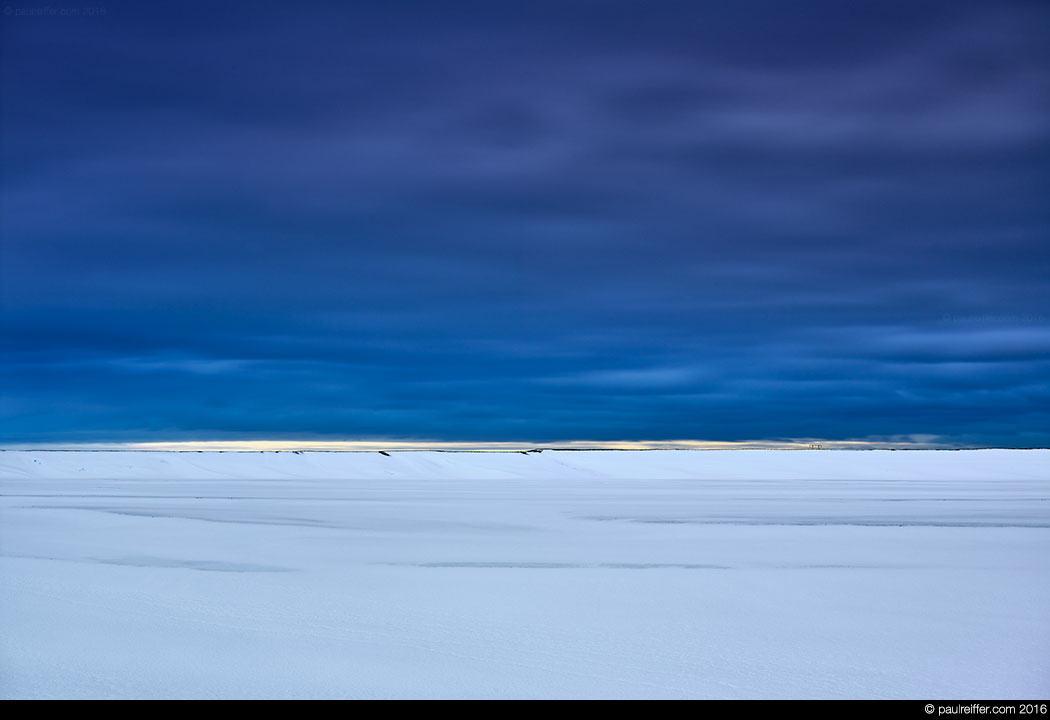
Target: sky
(494, 222)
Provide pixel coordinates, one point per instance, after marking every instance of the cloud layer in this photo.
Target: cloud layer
(541, 221)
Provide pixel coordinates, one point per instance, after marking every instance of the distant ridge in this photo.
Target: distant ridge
(559, 463)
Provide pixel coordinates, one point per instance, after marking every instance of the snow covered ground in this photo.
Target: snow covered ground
(557, 574)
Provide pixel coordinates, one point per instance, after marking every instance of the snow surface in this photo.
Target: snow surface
(735, 574)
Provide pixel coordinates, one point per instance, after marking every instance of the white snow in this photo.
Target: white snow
(697, 574)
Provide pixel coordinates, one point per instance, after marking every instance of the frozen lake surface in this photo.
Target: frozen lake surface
(676, 574)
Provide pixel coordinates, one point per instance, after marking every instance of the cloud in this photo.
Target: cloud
(527, 222)
(645, 378)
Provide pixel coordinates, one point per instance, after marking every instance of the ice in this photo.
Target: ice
(606, 574)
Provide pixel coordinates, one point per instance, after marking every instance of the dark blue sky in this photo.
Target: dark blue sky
(526, 221)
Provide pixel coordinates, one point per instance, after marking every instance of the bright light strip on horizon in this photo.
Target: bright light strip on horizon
(417, 445)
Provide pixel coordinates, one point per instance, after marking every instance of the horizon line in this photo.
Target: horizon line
(917, 443)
